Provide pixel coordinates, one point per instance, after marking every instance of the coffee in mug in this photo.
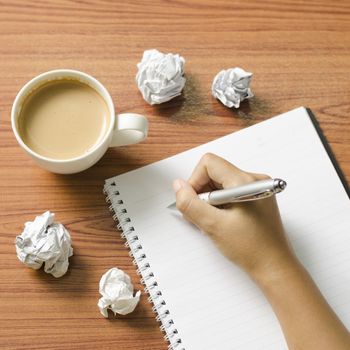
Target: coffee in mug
(63, 119)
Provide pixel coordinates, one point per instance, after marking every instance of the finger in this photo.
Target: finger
(212, 168)
(259, 176)
(194, 209)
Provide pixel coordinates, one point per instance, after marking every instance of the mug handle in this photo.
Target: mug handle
(130, 128)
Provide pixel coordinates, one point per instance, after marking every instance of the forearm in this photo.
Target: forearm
(306, 319)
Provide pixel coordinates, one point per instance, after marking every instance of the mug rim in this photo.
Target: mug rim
(34, 81)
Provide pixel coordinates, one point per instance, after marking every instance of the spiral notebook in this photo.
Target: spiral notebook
(202, 300)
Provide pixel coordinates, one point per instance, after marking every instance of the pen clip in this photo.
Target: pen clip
(253, 197)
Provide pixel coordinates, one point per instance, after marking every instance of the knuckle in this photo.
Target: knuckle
(248, 177)
(210, 226)
(238, 178)
(205, 225)
(262, 177)
(207, 157)
(211, 222)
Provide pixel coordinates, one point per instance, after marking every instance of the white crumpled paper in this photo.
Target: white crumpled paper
(231, 86)
(117, 293)
(160, 76)
(44, 241)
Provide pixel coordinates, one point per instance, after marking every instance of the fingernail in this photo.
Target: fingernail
(178, 184)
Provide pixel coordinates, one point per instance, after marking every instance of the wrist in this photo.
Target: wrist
(277, 270)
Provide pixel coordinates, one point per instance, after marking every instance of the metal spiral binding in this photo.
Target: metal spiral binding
(120, 215)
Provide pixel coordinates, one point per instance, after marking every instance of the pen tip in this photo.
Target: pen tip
(172, 206)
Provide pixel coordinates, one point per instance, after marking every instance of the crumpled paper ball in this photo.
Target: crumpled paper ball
(117, 293)
(44, 241)
(231, 86)
(160, 76)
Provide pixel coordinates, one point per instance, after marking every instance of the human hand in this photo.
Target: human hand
(250, 234)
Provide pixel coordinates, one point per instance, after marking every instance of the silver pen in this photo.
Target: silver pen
(248, 192)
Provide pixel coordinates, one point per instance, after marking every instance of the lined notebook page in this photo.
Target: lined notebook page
(214, 305)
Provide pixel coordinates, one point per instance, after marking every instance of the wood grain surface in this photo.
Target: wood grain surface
(299, 52)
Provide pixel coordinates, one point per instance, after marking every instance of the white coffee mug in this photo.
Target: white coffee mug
(125, 129)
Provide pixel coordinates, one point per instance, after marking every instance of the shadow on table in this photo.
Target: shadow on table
(250, 111)
(103, 169)
(74, 281)
(192, 105)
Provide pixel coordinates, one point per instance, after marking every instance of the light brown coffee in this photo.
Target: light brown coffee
(63, 119)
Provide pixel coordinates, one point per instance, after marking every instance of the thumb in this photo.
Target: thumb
(194, 209)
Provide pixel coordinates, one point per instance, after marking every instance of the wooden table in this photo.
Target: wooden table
(300, 55)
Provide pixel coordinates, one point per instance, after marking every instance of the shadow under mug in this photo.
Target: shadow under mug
(124, 129)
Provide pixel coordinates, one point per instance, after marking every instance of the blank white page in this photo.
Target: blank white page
(212, 303)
